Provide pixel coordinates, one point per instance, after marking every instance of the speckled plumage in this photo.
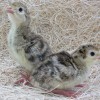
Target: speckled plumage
(63, 70)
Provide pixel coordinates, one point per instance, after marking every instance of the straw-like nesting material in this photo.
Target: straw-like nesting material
(65, 24)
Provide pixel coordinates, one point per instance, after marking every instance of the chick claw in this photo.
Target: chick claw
(67, 93)
(25, 79)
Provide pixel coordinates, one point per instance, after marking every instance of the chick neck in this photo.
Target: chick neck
(20, 28)
(18, 24)
(82, 64)
(17, 31)
(79, 62)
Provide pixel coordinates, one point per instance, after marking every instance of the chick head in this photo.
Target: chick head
(18, 13)
(87, 54)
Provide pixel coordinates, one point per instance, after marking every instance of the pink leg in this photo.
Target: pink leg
(67, 93)
(25, 80)
(81, 85)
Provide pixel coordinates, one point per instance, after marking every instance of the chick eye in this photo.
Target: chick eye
(92, 53)
(20, 9)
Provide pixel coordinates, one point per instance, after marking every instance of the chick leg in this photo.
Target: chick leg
(25, 80)
(81, 85)
(67, 93)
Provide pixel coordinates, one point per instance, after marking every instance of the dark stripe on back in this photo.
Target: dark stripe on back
(72, 64)
(61, 61)
(28, 48)
(57, 68)
(63, 76)
(41, 45)
(43, 55)
(66, 59)
(65, 54)
(48, 63)
(31, 58)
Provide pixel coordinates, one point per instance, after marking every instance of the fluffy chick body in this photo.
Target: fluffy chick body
(26, 47)
(63, 70)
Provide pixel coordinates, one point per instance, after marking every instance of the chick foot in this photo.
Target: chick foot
(24, 80)
(67, 93)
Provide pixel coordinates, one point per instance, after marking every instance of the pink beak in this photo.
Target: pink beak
(98, 57)
(10, 10)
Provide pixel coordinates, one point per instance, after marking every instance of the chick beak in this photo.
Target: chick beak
(98, 57)
(10, 10)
